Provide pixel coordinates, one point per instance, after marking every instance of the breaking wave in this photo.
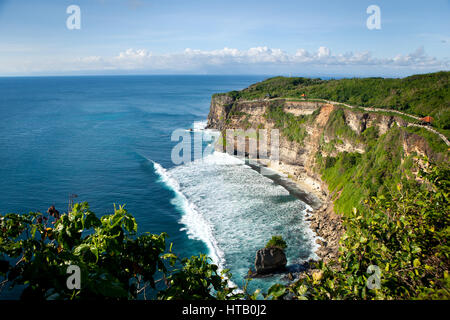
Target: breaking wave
(235, 210)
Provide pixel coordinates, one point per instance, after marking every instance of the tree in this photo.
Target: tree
(276, 242)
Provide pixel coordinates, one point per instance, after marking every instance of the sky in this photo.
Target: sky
(283, 37)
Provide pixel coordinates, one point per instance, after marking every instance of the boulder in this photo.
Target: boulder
(270, 260)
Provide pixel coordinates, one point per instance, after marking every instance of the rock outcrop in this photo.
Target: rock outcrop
(269, 260)
(219, 110)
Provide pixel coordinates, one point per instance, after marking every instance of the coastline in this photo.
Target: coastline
(295, 188)
(325, 225)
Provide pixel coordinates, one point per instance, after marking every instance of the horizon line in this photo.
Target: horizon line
(213, 74)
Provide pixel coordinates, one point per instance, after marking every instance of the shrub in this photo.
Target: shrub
(276, 242)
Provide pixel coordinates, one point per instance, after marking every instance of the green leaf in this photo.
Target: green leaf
(79, 249)
(94, 251)
(276, 291)
(302, 290)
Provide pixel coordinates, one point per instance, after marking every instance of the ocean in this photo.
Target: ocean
(108, 140)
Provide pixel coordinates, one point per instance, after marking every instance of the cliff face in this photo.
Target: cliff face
(226, 113)
(219, 110)
(298, 158)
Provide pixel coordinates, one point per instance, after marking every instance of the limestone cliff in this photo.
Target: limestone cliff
(321, 134)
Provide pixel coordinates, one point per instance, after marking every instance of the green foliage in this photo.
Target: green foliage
(290, 125)
(115, 263)
(276, 292)
(421, 95)
(273, 88)
(405, 233)
(195, 280)
(354, 177)
(276, 242)
(336, 126)
(434, 141)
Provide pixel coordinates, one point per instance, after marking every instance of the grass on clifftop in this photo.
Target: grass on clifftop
(420, 95)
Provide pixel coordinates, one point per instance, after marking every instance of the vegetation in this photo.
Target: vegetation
(36, 250)
(420, 95)
(353, 177)
(404, 236)
(276, 242)
(337, 126)
(273, 88)
(394, 207)
(434, 141)
(289, 124)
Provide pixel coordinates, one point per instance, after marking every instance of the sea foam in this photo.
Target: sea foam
(235, 210)
(196, 226)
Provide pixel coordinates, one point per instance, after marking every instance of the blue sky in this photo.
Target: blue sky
(224, 37)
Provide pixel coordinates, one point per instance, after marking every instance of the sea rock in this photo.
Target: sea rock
(270, 260)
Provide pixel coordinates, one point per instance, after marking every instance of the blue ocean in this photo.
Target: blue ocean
(108, 140)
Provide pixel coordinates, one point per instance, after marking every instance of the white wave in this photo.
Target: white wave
(307, 212)
(243, 209)
(200, 125)
(196, 227)
(221, 159)
(235, 210)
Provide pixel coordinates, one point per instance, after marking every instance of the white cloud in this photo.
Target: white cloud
(230, 60)
(191, 58)
(417, 58)
(323, 52)
(130, 53)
